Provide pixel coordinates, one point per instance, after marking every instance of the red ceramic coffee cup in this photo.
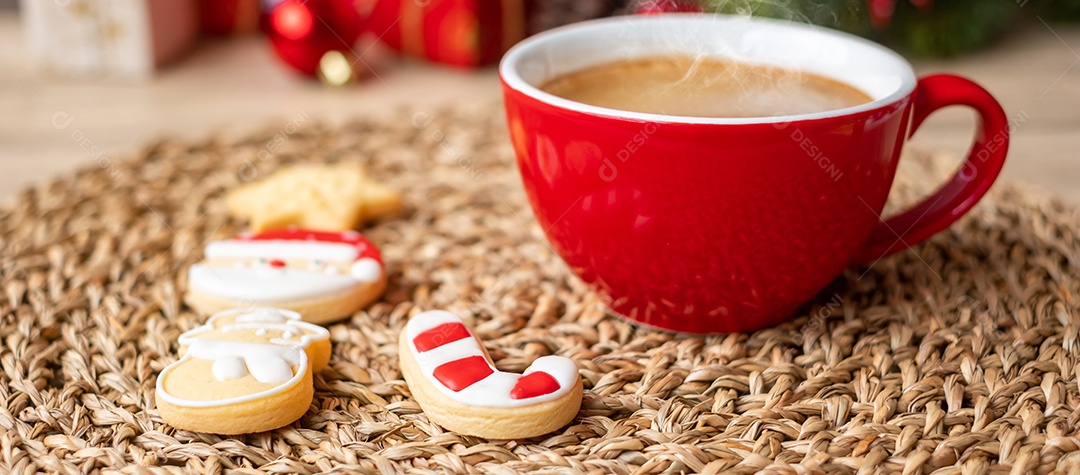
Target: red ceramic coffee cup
(706, 225)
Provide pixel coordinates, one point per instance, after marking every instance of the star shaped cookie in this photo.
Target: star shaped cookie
(313, 196)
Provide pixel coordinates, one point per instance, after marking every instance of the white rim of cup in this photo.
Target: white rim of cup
(510, 65)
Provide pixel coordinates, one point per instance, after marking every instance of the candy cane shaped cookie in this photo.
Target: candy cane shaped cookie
(452, 377)
(245, 370)
(323, 275)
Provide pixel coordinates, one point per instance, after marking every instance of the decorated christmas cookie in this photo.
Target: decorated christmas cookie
(313, 196)
(244, 371)
(452, 377)
(323, 275)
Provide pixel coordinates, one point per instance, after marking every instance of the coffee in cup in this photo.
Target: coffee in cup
(702, 86)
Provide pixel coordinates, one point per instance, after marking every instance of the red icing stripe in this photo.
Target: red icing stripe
(297, 234)
(460, 374)
(364, 248)
(534, 384)
(440, 335)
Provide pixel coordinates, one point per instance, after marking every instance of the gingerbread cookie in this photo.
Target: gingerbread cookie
(313, 196)
(452, 377)
(244, 371)
(322, 275)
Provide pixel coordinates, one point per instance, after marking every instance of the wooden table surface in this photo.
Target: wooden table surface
(238, 85)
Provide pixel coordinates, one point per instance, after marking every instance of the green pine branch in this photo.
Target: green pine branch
(949, 27)
(1059, 10)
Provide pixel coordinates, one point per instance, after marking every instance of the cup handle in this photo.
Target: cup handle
(966, 187)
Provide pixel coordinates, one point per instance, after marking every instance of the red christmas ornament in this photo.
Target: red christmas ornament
(464, 33)
(302, 32)
(651, 7)
(923, 5)
(881, 12)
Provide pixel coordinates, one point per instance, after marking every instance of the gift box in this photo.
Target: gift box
(465, 33)
(119, 38)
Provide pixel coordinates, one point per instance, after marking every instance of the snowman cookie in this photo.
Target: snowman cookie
(452, 377)
(324, 276)
(244, 371)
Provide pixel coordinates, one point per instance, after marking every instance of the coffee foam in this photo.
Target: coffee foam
(704, 86)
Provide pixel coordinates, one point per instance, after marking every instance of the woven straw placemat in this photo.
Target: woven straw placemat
(958, 357)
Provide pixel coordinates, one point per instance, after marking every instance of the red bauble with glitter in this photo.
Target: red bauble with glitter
(303, 31)
(463, 33)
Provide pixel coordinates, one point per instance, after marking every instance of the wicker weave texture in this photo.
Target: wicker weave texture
(958, 357)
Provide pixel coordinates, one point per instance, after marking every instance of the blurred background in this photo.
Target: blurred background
(84, 82)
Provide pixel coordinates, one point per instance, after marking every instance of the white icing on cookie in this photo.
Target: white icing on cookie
(268, 269)
(366, 270)
(267, 284)
(493, 390)
(281, 361)
(228, 368)
(276, 367)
